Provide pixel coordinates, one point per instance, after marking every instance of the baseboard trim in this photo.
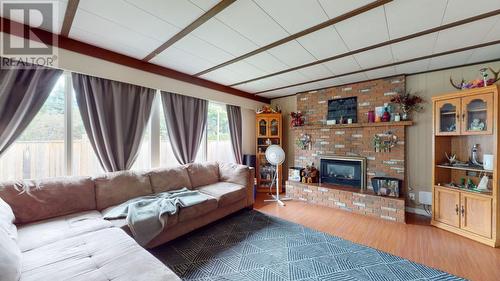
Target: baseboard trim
(417, 211)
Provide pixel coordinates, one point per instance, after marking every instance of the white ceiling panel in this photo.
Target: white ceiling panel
(252, 22)
(284, 92)
(266, 62)
(406, 16)
(59, 9)
(329, 83)
(292, 54)
(260, 85)
(450, 60)
(413, 67)
(484, 54)
(225, 38)
(414, 48)
(460, 9)
(315, 71)
(375, 57)
(179, 13)
(464, 35)
(335, 8)
(294, 15)
(494, 33)
(381, 72)
(298, 14)
(109, 35)
(342, 65)
(181, 61)
(354, 78)
(131, 17)
(193, 45)
(323, 43)
(365, 29)
(240, 71)
(205, 4)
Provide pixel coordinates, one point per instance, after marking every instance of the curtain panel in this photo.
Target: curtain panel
(235, 130)
(22, 93)
(186, 119)
(115, 115)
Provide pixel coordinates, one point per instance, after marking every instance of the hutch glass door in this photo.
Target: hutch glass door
(447, 117)
(477, 114)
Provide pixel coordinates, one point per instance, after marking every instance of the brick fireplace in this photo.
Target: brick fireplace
(353, 141)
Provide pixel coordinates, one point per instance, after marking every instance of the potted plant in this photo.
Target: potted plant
(408, 103)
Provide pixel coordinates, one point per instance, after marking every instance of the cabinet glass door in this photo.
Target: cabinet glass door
(262, 127)
(477, 114)
(447, 117)
(274, 127)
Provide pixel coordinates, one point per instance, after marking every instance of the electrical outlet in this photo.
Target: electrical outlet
(412, 196)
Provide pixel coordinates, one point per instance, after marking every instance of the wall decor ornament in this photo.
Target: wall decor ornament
(304, 142)
(478, 83)
(384, 142)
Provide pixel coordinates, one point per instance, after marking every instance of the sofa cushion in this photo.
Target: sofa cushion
(122, 223)
(7, 220)
(203, 173)
(34, 200)
(118, 187)
(40, 233)
(166, 179)
(226, 193)
(107, 254)
(198, 210)
(235, 173)
(10, 258)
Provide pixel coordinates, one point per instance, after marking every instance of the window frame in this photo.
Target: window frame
(154, 126)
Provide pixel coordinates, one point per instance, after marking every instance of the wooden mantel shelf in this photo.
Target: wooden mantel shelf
(354, 125)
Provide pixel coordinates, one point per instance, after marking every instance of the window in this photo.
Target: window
(218, 137)
(56, 144)
(39, 151)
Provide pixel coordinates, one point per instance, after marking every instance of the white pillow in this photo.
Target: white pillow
(10, 258)
(7, 219)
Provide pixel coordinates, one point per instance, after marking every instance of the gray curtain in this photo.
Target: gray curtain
(22, 94)
(114, 115)
(234, 118)
(186, 119)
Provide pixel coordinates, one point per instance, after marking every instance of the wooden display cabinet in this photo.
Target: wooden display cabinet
(462, 120)
(268, 131)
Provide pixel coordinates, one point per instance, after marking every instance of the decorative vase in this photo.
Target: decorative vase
(371, 116)
(405, 116)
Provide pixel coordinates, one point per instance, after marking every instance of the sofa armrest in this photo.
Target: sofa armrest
(250, 187)
(239, 174)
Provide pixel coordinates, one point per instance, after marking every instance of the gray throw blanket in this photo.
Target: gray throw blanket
(145, 214)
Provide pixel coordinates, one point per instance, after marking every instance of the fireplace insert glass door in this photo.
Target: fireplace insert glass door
(343, 171)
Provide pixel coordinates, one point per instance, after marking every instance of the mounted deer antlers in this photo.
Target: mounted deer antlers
(478, 82)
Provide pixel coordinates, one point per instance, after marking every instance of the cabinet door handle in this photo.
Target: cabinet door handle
(463, 117)
(456, 209)
(462, 210)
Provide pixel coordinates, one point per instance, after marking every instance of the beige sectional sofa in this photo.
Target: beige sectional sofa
(54, 229)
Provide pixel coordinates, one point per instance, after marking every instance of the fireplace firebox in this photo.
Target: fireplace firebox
(343, 170)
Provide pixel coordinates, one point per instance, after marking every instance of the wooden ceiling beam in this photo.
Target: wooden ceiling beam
(18, 29)
(382, 44)
(312, 29)
(388, 65)
(188, 29)
(69, 16)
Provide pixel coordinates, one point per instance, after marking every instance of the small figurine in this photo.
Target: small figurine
(451, 159)
(477, 125)
(474, 155)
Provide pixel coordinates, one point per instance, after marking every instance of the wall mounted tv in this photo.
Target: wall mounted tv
(346, 108)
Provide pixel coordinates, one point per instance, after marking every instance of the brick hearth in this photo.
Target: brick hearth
(348, 199)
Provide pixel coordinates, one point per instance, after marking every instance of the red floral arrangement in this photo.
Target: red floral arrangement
(408, 102)
(297, 119)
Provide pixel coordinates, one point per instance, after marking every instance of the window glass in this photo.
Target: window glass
(39, 151)
(143, 160)
(218, 138)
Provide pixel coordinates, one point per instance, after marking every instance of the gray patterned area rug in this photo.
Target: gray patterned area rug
(251, 246)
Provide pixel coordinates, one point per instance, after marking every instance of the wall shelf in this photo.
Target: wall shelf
(354, 125)
(473, 169)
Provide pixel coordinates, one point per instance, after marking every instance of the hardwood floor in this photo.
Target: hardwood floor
(416, 241)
